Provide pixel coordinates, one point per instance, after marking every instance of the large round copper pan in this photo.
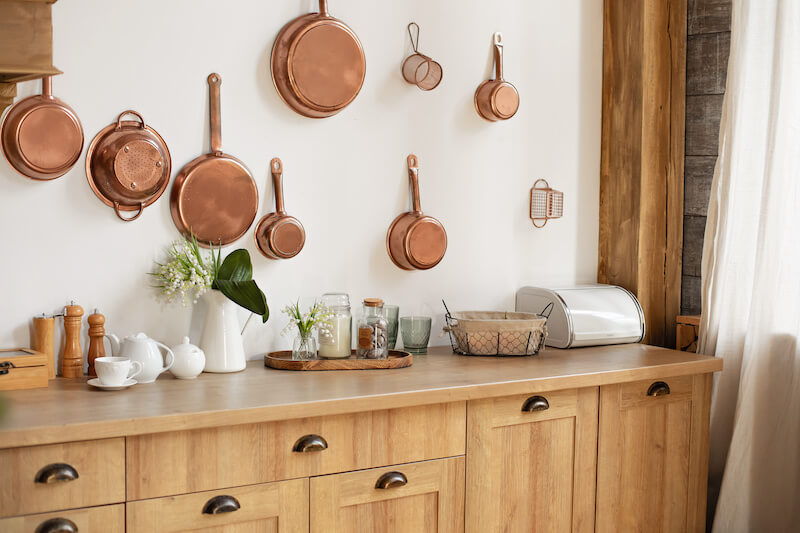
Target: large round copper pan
(416, 241)
(497, 99)
(128, 165)
(278, 235)
(42, 137)
(214, 197)
(318, 64)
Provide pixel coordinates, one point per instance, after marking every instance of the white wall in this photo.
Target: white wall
(345, 176)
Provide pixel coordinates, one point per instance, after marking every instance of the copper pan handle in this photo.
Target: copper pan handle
(498, 55)
(129, 112)
(323, 8)
(413, 174)
(137, 215)
(276, 166)
(47, 86)
(214, 81)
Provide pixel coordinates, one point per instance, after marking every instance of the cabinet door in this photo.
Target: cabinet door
(426, 497)
(531, 462)
(280, 507)
(105, 519)
(653, 455)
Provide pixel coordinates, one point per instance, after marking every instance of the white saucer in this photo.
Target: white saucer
(95, 382)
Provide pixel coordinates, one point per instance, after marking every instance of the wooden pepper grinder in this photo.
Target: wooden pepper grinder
(96, 334)
(71, 355)
(43, 328)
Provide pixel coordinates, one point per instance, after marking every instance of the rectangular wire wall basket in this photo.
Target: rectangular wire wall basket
(489, 333)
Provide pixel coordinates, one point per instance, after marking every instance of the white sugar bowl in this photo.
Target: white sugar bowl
(189, 360)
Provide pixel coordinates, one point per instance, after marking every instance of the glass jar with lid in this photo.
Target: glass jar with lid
(373, 331)
(335, 343)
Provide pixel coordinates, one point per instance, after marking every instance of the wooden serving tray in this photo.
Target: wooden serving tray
(283, 361)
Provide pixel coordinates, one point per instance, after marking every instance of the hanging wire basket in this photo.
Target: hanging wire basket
(493, 333)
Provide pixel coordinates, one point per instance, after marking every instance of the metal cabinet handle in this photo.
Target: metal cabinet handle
(55, 473)
(57, 525)
(310, 443)
(391, 480)
(659, 388)
(221, 504)
(535, 403)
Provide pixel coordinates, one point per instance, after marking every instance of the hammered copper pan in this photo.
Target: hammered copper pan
(497, 99)
(214, 196)
(317, 64)
(128, 165)
(278, 235)
(414, 240)
(42, 137)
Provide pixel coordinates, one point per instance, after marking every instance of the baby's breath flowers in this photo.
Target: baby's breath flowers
(318, 317)
(186, 275)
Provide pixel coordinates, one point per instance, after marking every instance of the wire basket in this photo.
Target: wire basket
(496, 333)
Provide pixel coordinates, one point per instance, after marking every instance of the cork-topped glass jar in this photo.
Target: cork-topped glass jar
(373, 331)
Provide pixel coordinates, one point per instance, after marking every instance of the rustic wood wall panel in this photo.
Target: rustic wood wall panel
(708, 48)
(641, 175)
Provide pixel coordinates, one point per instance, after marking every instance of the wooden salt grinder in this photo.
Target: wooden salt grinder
(96, 334)
(43, 328)
(71, 356)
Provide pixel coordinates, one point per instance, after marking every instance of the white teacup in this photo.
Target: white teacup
(114, 371)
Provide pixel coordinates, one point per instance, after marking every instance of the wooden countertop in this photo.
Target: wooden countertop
(70, 410)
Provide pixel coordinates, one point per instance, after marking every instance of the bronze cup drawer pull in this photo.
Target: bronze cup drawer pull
(221, 504)
(310, 443)
(57, 525)
(56, 473)
(391, 480)
(659, 388)
(535, 403)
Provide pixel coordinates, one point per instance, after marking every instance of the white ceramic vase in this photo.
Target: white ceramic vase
(221, 340)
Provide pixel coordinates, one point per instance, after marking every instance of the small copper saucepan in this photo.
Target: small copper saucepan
(278, 235)
(41, 135)
(416, 241)
(497, 99)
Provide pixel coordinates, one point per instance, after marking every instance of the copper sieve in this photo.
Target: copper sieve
(419, 69)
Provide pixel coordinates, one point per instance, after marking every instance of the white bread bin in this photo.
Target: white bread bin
(585, 315)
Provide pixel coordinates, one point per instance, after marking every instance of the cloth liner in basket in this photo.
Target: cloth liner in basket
(496, 333)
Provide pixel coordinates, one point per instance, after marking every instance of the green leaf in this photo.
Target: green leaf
(245, 294)
(236, 267)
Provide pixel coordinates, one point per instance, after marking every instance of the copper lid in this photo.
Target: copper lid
(373, 302)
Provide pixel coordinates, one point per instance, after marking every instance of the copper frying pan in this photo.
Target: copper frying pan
(497, 99)
(414, 240)
(317, 64)
(214, 197)
(41, 135)
(278, 235)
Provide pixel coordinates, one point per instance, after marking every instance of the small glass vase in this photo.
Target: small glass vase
(304, 347)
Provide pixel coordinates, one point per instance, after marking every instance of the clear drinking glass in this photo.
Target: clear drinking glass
(391, 312)
(416, 332)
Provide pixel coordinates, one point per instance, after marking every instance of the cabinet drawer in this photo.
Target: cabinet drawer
(38, 479)
(426, 497)
(106, 519)
(280, 507)
(209, 459)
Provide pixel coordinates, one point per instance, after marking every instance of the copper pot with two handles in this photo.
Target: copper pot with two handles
(416, 241)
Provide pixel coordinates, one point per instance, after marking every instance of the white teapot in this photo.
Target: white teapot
(142, 348)
(189, 360)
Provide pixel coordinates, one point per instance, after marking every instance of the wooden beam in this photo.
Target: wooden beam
(641, 174)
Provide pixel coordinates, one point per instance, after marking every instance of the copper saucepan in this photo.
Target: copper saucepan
(128, 165)
(41, 135)
(414, 240)
(317, 64)
(278, 235)
(214, 196)
(497, 99)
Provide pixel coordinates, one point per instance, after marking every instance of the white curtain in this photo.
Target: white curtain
(751, 276)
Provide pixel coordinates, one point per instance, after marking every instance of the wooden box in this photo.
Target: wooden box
(686, 333)
(26, 40)
(21, 368)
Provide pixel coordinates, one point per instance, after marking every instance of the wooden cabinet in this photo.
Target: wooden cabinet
(106, 519)
(653, 455)
(280, 507)
(426, 497)
(531, 462)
